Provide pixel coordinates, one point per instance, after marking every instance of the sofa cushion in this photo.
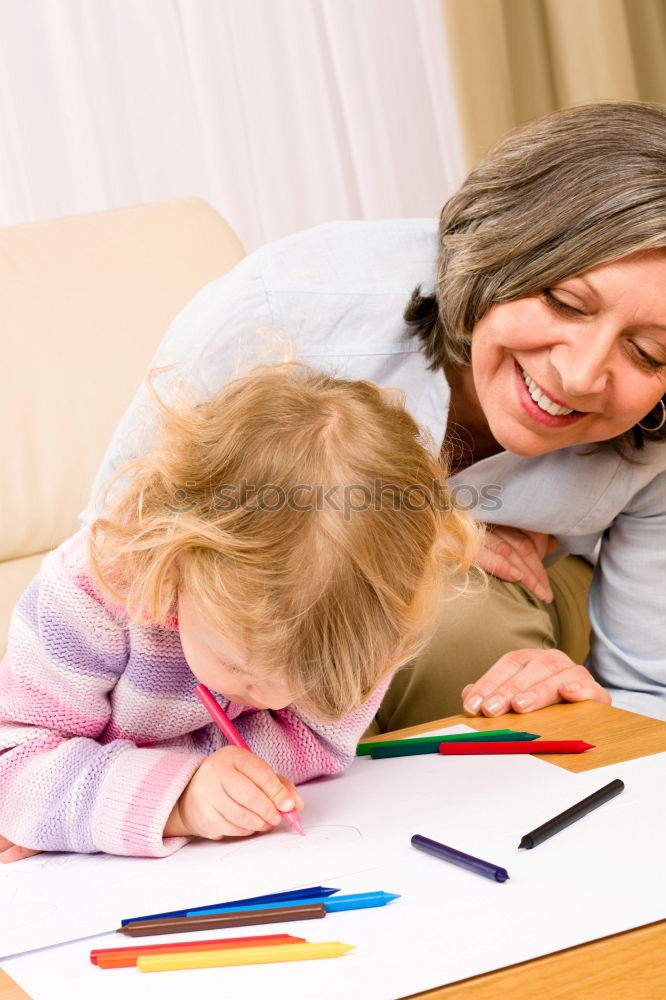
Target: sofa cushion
(84, 301)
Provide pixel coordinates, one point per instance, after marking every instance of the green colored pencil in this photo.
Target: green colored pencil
(379, 752)
(491, 736)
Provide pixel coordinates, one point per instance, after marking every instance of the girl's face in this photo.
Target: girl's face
(223, 669)
(591, 349)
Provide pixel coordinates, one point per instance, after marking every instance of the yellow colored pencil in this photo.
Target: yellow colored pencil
(242, 956)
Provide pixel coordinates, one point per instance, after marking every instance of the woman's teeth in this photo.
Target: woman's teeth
(543, 401)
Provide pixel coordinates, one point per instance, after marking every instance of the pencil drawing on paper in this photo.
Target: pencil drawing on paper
(286, 844)
(17, 914)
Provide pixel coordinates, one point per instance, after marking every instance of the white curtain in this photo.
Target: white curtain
(280, 113)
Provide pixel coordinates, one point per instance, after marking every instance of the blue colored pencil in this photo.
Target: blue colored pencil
(455, 857)
(353, 901)
(318, 891)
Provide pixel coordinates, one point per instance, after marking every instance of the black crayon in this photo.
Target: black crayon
(570, 815)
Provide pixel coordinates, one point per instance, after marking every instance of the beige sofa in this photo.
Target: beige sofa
(85, 302)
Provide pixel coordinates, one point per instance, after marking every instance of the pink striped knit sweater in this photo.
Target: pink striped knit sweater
(100, 729)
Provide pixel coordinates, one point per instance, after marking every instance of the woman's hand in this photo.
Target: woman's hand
(528, 679)
(516, 555)
(232, 794)
(12, 852)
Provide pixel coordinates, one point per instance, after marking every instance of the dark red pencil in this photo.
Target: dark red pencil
(535, 746)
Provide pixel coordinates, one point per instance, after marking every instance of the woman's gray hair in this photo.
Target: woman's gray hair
(576, 188)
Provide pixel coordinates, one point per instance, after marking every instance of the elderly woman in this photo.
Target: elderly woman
(528, 333)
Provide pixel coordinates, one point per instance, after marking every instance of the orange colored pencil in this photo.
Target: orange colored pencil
(124, 958)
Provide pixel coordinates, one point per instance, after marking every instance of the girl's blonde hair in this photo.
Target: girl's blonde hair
(307, 518)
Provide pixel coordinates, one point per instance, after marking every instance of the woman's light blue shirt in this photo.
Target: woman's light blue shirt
(338, 293)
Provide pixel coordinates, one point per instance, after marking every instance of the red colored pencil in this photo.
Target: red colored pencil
(535, 746)
(123, 958)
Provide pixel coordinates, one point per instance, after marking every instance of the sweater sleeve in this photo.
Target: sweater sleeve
(61, 787)
(301, 747)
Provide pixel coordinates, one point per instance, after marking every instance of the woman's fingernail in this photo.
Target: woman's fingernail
(570, 688)
(287, 805)
(525, 699)
(494, 705)
(473, 704)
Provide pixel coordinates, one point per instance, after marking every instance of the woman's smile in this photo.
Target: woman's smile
(540, 406)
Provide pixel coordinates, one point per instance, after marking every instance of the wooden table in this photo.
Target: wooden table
(628, 966)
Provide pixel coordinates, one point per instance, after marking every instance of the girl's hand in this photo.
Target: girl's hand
(12, 852)
(528, 679)
(516, 555)
(232, 794)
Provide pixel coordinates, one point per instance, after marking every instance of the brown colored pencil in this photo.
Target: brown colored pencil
(213, 921)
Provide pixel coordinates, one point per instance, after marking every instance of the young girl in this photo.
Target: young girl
(284, 544)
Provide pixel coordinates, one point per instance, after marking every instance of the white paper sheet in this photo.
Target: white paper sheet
(602, 875)
(53, 898)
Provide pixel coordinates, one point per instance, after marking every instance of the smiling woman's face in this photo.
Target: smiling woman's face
(580, 363)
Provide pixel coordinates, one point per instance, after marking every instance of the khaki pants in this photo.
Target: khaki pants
(474, 630)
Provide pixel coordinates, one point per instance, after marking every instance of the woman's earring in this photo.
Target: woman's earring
(661, 422)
